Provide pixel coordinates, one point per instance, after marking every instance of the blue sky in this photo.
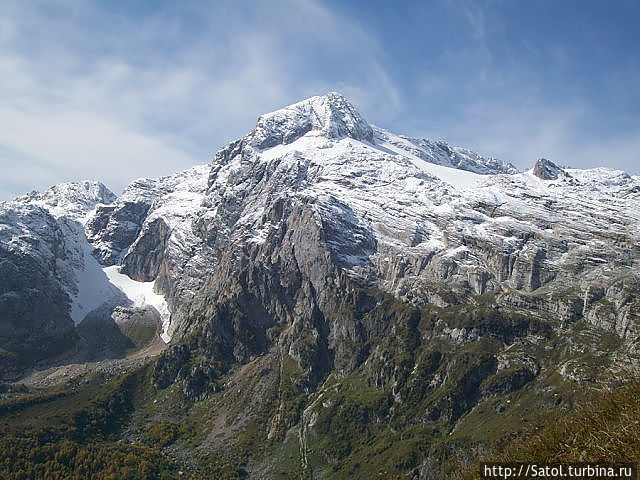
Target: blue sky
(114, 90)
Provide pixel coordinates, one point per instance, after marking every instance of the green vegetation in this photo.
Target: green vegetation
(608, 430)
(351, 417)
(40, 458)
(74, 433)
(6, 353)
(429, 390)
(19, 403)
(27, 350)
(161, 434)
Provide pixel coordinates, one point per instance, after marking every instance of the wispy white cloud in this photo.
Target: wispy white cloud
(75, 144)
(518, 133)
(476, 17)
(89, 92)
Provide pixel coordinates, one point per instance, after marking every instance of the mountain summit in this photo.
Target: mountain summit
(330, 115)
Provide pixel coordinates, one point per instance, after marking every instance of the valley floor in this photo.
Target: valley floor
(52, 376)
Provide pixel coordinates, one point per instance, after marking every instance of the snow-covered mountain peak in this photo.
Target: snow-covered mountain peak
(149, 189)
(73, 200)
(313, 127)
(331, 115)
(315, 194)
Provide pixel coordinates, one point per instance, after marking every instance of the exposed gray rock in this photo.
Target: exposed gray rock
(113, 228)
(547, 170)
(145, 258)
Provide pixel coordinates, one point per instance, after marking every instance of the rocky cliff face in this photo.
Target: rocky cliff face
(328, 271)
(390, 213)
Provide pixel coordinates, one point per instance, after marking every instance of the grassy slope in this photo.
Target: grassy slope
(65, 432)
(607, 430)
(604, 430)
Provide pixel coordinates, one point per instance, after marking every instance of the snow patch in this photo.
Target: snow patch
(141, 294)
(453, 176)
(94, 287)
(99, 286)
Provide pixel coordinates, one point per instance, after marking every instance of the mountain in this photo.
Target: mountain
(330, 291)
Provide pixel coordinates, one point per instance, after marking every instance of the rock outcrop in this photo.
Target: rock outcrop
(547, 170)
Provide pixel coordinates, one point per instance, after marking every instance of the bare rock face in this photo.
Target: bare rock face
(110, 332)
(140, 325)
(116, 226)
(144, 260)
(34, 319)
(547, 170)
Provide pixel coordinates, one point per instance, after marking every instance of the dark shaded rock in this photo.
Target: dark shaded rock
(102, 337)
(34, 319)
(507, 381)
(142, 326)
(169, 365)
(145, 259)
(547, 170)
(114, 228)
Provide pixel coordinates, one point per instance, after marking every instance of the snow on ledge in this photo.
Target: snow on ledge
(141, 294)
